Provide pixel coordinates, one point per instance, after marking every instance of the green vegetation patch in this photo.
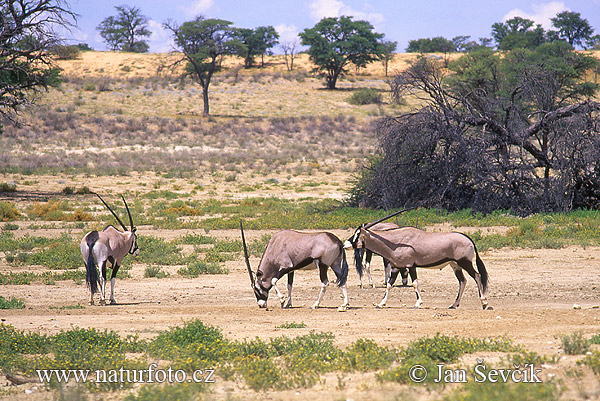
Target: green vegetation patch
(11, 303)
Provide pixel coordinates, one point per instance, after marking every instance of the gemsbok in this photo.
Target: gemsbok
(107, 246)
(290, 250)
(410, 248)
(368, 254)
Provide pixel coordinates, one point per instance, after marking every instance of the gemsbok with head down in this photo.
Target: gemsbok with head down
(107, 246)
(410, 248)
(290, 250)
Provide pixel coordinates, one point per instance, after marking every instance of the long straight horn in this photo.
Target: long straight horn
(113, 213)
(246, 255)
(387, 217)
(128, 213)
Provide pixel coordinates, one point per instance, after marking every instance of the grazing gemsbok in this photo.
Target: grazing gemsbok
(410, 248)
(109, 245)
(288, 251)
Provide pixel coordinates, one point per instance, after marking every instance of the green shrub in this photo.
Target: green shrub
(66, 52)
(501, 391)
(365, 96)
(574, 344)
(168, 392)
(155, 272)
(365, 355)
(593, 361)
(5, 187)
(11, 303)
(10, 227)
(8, 211)
(292, 325)
(198, 267)
(157, 251)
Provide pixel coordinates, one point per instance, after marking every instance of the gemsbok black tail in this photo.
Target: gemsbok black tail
(482, 271)
(91, 273)
(343, 278)
(480, 267)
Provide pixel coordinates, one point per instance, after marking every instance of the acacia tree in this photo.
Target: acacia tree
(336, 42)
(126, 30)
(26, 36)
(388, 48)
(517, 132)
(517, 33)
(202, 42)
(572, 28)
(257, 42)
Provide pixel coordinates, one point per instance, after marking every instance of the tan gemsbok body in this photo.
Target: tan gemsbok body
(410, 248)
(107, 246)
(290, 250)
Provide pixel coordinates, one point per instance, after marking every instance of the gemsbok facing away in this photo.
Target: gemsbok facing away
(290, 250)
(107, 246)
(410, 248)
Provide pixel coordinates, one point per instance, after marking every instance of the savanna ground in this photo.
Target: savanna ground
(279, 152)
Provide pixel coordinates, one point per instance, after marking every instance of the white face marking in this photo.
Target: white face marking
(262, 303)
(347, 244)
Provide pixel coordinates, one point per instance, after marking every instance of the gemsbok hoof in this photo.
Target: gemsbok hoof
(378, 306)
(343, 308)
(113, 302)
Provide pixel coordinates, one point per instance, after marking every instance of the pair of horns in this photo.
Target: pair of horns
(117, 217)
(369, 225)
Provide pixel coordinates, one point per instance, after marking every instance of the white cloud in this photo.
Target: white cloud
(320, 9)
(334, 8)
(161, 40)
(199, 7)
(541, 13)
(287, 32)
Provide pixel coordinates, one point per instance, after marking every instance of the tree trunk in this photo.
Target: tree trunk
(206, 111)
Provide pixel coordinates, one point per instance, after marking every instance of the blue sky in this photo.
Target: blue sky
(398, 20)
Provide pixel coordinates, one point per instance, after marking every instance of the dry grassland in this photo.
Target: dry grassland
(121, 124)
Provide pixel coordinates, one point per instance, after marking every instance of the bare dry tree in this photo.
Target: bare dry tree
(27, 34)
(513, 132)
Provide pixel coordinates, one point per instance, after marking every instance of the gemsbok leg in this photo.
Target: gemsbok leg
(113, 279)
(286, 302)
(324, 283)
(468, 266)
(368, 257)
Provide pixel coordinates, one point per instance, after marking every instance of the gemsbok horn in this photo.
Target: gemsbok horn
(290, 250)
(107, 246)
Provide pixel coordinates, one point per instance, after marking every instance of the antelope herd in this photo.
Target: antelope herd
(403, 249)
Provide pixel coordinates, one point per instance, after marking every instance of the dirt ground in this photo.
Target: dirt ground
(536, 296)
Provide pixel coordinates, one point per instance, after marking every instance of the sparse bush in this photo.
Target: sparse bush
(8, 211)
(11, 303)
(365, 96)
(70, 52)
(198, 267)
(5, 187)
(155, 272)
(574, 344)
